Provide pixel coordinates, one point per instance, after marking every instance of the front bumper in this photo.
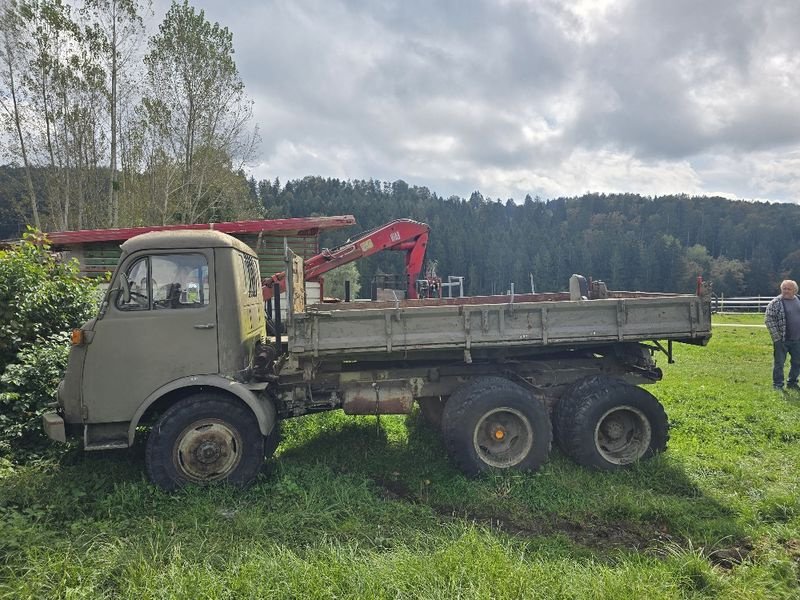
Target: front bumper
(53, 424)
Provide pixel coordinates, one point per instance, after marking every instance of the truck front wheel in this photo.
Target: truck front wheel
(496, 424)
(606, 423)
(202, 439)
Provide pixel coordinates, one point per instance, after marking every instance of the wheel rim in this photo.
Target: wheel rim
(207, 450)
(503, 437)
(623, 435)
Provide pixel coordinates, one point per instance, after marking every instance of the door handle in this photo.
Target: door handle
(204, 326)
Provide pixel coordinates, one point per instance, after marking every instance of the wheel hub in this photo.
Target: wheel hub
(613, 429)
(503, 437)
(623, 435)
(207, 450)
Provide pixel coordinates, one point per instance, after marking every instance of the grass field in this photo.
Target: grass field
(367, 508)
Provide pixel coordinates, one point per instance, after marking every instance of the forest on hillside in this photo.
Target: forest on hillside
(628, 241)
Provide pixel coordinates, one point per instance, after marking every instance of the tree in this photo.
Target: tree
(761, 277)
(53, 103)
(12, 63)
(728, 276)
(196, 114)
(697, 263)
(115, 33)
(790, 266)
(51, 41)
(334, 281)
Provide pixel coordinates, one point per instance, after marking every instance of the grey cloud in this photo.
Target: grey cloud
(657, 83)
(662, 54)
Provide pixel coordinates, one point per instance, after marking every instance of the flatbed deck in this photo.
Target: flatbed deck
(532, 320)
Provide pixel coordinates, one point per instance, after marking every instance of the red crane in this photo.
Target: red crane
(405, 235)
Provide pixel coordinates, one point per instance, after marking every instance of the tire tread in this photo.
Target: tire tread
(573, 422)
(457, 428)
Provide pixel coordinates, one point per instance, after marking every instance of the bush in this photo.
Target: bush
(41, 298)
(28, 385)
(39, 295)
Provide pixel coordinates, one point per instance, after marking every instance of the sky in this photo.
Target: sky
(516, 97)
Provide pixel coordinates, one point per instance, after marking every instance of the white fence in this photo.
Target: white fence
(751, 304)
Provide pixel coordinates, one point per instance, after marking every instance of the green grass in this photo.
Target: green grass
(367, 508)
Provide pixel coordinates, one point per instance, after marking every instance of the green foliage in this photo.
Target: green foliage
(728, 276)
(628, 241)
(790, 266)
(27, 385)
(334, 281)
(39, 295)
(41, 298)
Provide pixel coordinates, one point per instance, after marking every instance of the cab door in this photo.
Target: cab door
(165, 330)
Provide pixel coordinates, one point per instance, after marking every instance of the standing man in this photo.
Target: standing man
(782, 318)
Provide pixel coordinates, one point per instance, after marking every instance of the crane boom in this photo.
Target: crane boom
(404, 235)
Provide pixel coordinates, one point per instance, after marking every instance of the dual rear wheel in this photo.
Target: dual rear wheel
(605, 423)
(494, 424)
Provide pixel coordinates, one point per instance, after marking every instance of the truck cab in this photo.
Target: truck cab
(183, 316)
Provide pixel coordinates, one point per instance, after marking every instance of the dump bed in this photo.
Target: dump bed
(543, 320)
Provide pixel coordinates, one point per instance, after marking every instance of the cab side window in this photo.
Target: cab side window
(179, 281)
(167, 281)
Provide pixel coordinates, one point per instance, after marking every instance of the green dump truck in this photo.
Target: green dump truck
(180, 347)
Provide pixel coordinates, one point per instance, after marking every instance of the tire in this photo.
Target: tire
(203, 439)
(607, 424)
(494, 424)
(432, 407)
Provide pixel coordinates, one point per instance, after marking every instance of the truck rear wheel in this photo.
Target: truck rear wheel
(493, 423)
(203, 439)
(607, 424)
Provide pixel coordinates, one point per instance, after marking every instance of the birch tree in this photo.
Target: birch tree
(13, 97)
(51, 41)
(117, 30)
